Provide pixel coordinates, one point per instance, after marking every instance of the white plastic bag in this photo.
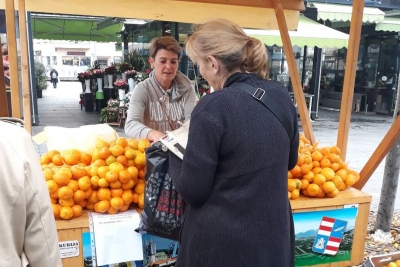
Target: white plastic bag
(83, 138)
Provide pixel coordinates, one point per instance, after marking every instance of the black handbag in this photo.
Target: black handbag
(259, 94)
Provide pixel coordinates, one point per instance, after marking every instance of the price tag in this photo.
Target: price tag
(69, 249)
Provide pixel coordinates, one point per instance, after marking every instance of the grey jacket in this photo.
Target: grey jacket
(27, 222)
(146, 112)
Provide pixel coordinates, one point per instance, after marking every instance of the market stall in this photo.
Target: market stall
(253, 14)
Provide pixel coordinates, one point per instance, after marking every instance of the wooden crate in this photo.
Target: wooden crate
(347, 197)
(73, 229)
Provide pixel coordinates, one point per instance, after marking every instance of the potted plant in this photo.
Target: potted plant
(123, 68)
(130, 75)
(40, 78)
(122, 87)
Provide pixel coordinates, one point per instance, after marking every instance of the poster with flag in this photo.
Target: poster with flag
(329, 236)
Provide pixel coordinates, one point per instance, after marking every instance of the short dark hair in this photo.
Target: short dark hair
(167, 43)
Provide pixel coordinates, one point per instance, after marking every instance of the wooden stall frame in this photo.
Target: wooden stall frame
(13, 58)
(3, 92)
(252, 14)
(25, 66)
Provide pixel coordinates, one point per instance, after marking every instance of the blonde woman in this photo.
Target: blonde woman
(234, 173)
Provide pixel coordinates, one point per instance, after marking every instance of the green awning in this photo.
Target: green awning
(74, 30)
(309, 33)
(389, 25)
(334, 12)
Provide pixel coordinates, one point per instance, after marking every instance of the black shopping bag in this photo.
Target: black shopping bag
(163, 206)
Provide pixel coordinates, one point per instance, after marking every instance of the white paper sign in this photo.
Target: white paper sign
(115, 237)
(69, 249)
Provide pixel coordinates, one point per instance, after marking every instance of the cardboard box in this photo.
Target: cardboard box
(381, 260)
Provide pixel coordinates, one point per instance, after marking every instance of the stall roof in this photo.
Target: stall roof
(335, 12)
(73, 28)
(389, 25)
(309, 33)
(247, 13)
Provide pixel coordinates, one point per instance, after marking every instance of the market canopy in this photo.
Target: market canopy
(62, 28)
(258, 14)
(335, 12)
(389, 25)
(309, 33)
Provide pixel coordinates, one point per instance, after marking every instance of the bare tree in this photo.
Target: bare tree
(390, 179)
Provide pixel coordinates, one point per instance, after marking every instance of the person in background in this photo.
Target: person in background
(233, 177)
(167, 97)
(54, 78)
(29, 235)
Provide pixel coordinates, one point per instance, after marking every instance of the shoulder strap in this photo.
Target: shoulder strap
(259, 94)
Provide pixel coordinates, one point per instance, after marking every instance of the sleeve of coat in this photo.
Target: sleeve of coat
(134, 126)
(294, 146)
(41, 240)
(193, 177)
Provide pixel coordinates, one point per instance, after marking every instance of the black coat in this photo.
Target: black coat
(51, 76)
(234, 180)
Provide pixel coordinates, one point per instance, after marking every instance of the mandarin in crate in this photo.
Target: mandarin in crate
(101, 143)
(143, 144)
(133, 144)
(313, 190)
(58, 160)
(295, 194)
(319, 179)
(73, 184)
(117, 150)
(130, 153)
(104, 152)
(86, 158)
(84, 183)
(111, 176)
(117, 192)
(128, 185)
(117, 202)
(56, 210)
(102, 170)
(115, 185)
(122, 159)
(48, 174)
(124, 176)
(141, 201)
(139, 188)
(54, 194)
(124, 207)
(93, 198)
(103, 206)
(79, 195)
(328, 173)
(122, 141)
(99, 163)
(76, 210)
(111, 210)
(82, 203)
(71, 159)
(66, 202)
(95, 155)
(135, 197)
(88, 193)
(103, 183)
(52, 186)
(65, 193)
(329, 187)
(110, 160)
(103, 194)
(94, 180)
(44, 159)
(61, 178)
(127, 196)
(66, 213)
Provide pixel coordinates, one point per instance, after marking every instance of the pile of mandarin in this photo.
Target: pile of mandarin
(319, 172)
(109, 180)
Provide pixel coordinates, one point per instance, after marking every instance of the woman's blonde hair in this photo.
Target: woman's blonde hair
(227, 42)
(167, 43)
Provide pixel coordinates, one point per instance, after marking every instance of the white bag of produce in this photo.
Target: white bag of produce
(83, 138)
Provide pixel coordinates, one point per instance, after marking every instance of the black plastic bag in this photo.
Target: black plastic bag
(163, 206)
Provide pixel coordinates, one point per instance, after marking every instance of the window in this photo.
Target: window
(102, 62)
(117, 60)
(85, 61)
(48, 60)
(67, 61)
(54, 60)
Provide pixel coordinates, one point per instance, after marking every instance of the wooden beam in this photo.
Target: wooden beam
(349, 77)
(167, 10)
(288, 4)
(379, 154)
(3, 92)
(294, 72)
(13, 59)
(23, 35)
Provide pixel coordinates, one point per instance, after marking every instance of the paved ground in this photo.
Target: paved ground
(60, 107)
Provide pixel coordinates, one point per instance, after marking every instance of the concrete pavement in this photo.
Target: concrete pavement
(60, 107)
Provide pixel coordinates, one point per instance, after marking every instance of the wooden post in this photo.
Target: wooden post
(380, 152)
(3, 92)
(13, 58)
(349, 76)
(294, 72)
(23, 35)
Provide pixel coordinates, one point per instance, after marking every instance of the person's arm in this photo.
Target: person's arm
(194, 176)
(134, 126)
(41, 241)
(190, 103)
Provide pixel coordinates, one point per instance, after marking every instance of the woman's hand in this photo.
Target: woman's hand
(154, 135)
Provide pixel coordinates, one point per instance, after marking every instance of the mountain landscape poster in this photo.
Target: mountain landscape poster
(308, 227)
